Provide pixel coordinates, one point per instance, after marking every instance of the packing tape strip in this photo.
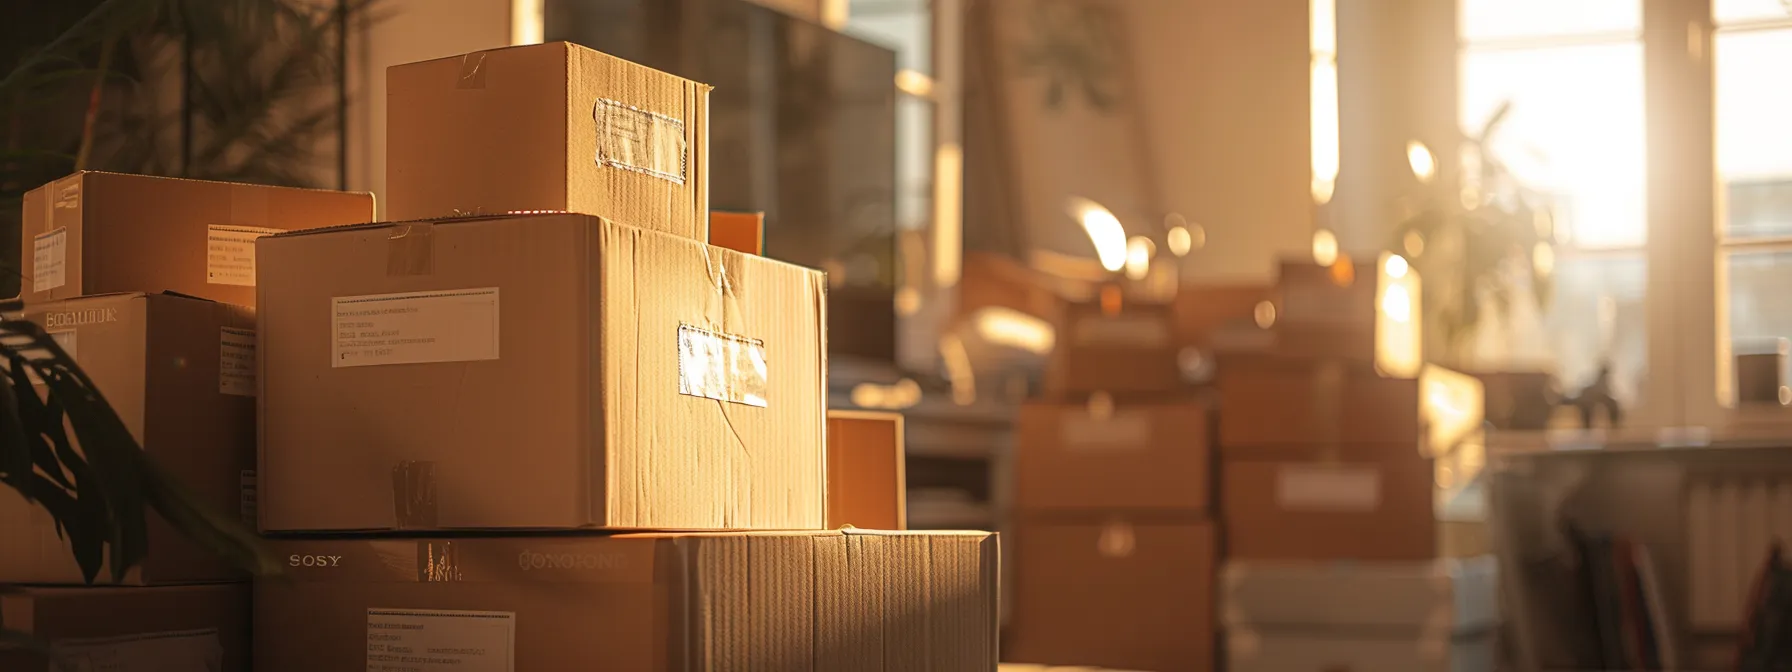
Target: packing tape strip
(414, 494)
(472, 72)
(410, 250)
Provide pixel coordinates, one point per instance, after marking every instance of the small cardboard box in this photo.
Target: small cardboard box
(1130, 351)
(100, 233)
(1131, 456)
(555, 127)
(180, 372)
(1272, 401)
(1127, 595)
(867, 483)
(1347, 510)
(786, 601)
(544, 372)
(739, 231)
(195, 627)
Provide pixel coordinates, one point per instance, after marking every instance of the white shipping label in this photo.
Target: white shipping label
(1122, 332)
(426, 640)
(49, 260)
(721, 366)
(1328, 488)
(185, 651)
(1125, 430)
(236, 365)
(459, 325)
(634, 139)
(230, 254)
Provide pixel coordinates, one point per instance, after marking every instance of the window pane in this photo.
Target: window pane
(903, 25)
(1596, 316)
(1760, 306)
(914, 162)
(1507, 19)
(1728, 11)
(1575, 131)
(1754, 131)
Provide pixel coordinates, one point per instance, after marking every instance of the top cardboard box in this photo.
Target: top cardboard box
(537, 372)
(555, 127)
(101, 233)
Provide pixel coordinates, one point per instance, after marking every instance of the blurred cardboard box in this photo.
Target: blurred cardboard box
(1128, 595)
(1211, 316)
(99, 233)
(92, 628)
(1425, 616)
(768, 601)
(1322, 510)
(1326, 311)
(555, 127)
(1274, 401)
(1128, 351)
(180, 373)
(629, 379)
(867, 484)
(742, 232)
(1129, 456)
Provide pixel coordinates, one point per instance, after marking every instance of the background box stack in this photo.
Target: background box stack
(571, 358)
(1115, 542)
(1329, 496)
(149, 284)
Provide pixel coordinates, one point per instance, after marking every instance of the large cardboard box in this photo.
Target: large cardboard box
(196, 627)
(1129, 351)
(867, 474)
(1330, 510)
(99, 233)
(180, 372)
(1122, 594)
(549, 371)
(550, 126)
(1437, 616)
(1130, 456)
(787, 601)
(1274, 401)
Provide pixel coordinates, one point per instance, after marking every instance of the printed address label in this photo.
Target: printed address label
(1121, 332)
(720, 366)
(459, 325)
(152, 652)
(49, 260)
(1341, 489)
(230, 254)
(428, 640)
(636, 140)
(1125, 430)
(236, 361)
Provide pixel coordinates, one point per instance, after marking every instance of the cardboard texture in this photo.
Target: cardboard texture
(100, 233)
(197, 627)
(1276, 402)
(180, 373)
(1128, 595)
(1207, 315)
(1136, 456)
(1307, 510)
(1129, 352)
(1320, 314)
(1444, 598)
(867, 474)
(1250, 650)
(788, 601)
(555, 127)
(742, 232)
(628, 379)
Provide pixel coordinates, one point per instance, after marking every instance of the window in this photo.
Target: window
(1572, 73)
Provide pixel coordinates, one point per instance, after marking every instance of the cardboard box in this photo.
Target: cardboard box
(1140, 456)
(628, 379)
(1275, 401)
(785, 601)
(197, 627)
(867, 474)
(1432, 616)
(180, 372)
(1129, 352)
(554, 127)
(1306, 510)
(100, 233)
(1212, 316)
(742, 232)
(1128, 595)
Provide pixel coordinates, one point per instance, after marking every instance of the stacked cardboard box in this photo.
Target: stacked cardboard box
(1115, 538)
(1326, 459)
(148, 283)
(586, 436)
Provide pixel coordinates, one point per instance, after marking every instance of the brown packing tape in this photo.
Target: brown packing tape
(472, 71)
(414, 494)
(410, 250)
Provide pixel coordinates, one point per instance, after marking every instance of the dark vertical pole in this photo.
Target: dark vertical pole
(186, 92)
(342, 32)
